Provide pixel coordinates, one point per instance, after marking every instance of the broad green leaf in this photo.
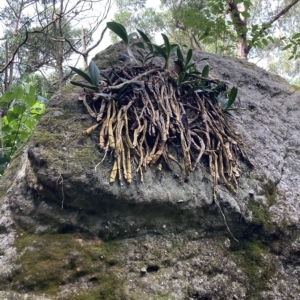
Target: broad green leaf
(146, 39)
(197, 89)
(6, 98)
(245, 14)
(181, 78)
(265, 42)
(167, 43)
(29, 100)
(205, 71)
(179, 55)
(30, 123)
(161, 51)
(119, 30)
(18, 92)
(11, 115)
(85, 86)
(144, 36)
(173, 49)
(19, 109)
(139, 44)
(26, 86)
(296, 36)
(188, 57)
(232, 96)
(94, 73)
(189, 66)
(107, 79)
(82, 74)
(32, 91)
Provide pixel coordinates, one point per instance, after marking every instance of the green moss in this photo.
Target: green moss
(50, 261)
(270, 190)
(260, 212)
(51, 140)
(84, 154)
(261, 216)
(105, 289)
(250, 255)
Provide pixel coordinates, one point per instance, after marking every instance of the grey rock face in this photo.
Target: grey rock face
(170, 240)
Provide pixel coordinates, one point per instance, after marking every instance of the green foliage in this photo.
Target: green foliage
(21, 109)
(226, 105)
(92, 77)
(166, 50)
(121, 32)
(189, 78)
(293, 44)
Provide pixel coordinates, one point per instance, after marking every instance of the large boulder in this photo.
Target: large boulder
(66, 233)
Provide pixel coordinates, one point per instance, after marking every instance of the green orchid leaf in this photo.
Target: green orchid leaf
(144, 36)
(95, 88)
(197, 89)
(160, 51)
(173, 49)
(107, 79)
(139, 44)
(190, 65)
(82, 74)
(188, 57)
(232, 96)
(205, 71)
(167, 43)
(179, 55)
(119, 30)
(180, 78)
(94, 73)
(146, 40)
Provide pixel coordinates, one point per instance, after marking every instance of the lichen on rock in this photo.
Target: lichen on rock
(68, 234)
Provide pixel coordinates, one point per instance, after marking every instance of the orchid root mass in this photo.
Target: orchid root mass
(150, 116)
(154, 123)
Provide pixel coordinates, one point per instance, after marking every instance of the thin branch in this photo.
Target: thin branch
(282, 12)
(89, 49)
(23, 42)
(14, 53)
(276, 17)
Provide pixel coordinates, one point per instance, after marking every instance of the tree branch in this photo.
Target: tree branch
(282, 12)
(23, 42)
(276, 17)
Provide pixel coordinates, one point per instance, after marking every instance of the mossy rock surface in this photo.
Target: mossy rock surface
(68, 234)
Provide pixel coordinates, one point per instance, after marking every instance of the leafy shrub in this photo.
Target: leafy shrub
(20, 109)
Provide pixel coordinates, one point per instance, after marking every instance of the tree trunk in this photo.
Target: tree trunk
(84, 55)
(242, 47)
(240, 25)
